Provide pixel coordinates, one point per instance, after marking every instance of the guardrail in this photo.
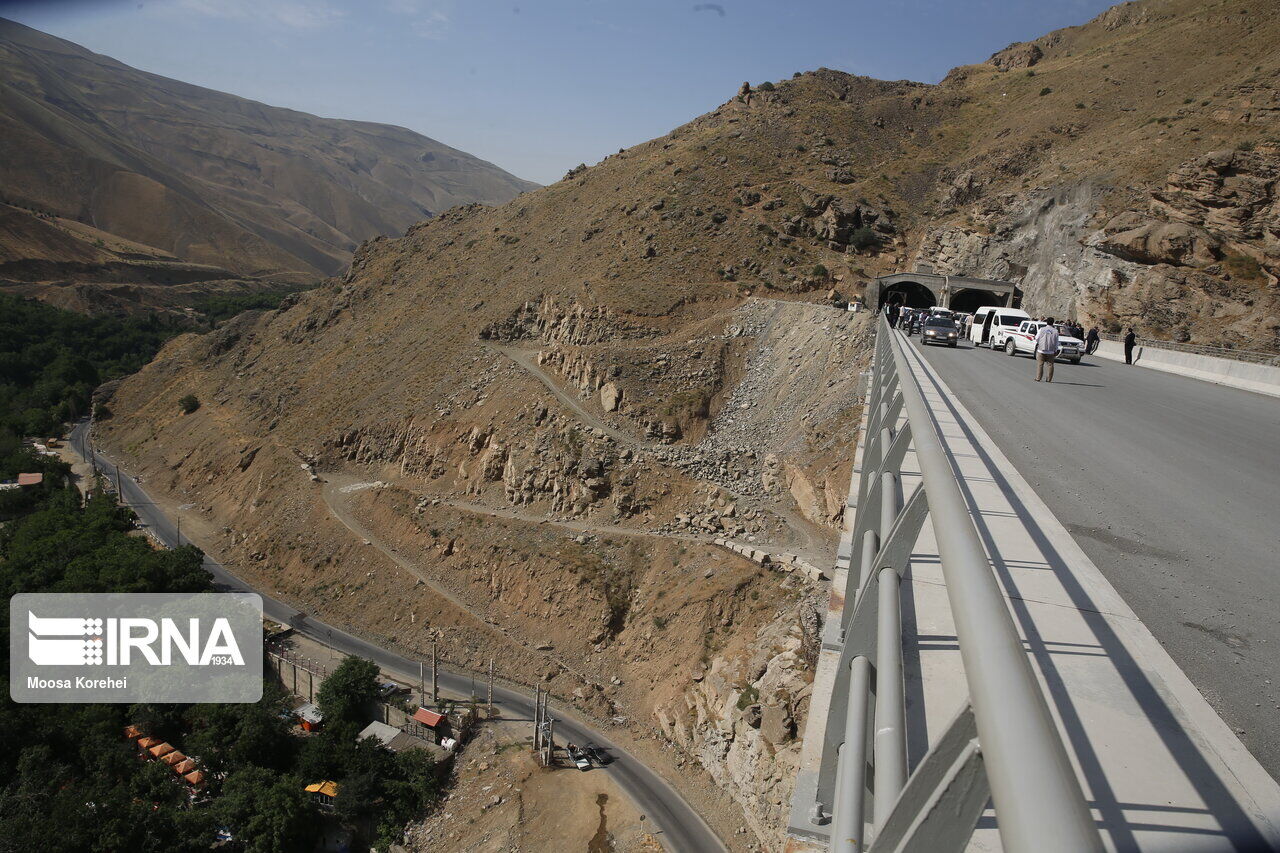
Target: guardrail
(1003, 745)
(1252, 356)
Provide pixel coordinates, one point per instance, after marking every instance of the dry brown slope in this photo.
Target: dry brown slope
(207, 176)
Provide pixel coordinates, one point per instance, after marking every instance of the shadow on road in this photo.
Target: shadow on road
(1237, 830)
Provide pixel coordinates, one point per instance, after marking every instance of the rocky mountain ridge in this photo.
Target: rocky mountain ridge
(111, 175)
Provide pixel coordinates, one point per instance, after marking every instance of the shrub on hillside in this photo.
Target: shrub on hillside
(863, 238)
(189, 404)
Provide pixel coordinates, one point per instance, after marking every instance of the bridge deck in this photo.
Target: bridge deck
(1160, 769)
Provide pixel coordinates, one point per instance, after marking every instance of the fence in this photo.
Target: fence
(1003, 746)
(1251, 356)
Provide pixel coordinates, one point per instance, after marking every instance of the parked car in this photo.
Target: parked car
(939, 330)
(991, 324)
(1023, 340)
(579, 758)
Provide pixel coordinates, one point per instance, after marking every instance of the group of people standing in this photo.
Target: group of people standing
(897, 313)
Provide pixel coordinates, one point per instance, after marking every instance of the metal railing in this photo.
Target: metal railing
(1003, 746)
(1252, 356)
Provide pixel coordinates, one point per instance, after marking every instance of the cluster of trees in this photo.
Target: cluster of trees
(70, 781)
(220, 307)
(51, 360)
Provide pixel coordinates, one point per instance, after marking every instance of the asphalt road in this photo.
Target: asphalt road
(675, 823)
(1172, 487)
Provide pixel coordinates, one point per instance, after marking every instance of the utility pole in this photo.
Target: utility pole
(551, 741)
(489, 713)
(537, 717)
(422, 682)
(119, 494)
(435, 672)
(177, 520)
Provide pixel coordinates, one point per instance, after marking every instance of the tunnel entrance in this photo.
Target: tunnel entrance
(909, 293)
(970, 300)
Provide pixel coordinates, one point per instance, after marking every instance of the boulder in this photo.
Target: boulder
(610, 397)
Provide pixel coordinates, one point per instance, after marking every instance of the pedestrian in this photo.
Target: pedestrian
(1046, 350)
(1091, 341)
(892, 310)
(1130, 340)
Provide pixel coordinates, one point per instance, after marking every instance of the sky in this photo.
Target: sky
(535, 86)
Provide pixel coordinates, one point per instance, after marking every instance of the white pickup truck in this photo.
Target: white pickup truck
(1023, 340)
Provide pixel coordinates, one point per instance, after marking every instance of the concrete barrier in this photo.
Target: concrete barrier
(1260, 378)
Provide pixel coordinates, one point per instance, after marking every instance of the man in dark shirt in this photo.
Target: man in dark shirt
(1130, 340)
(1092, 341)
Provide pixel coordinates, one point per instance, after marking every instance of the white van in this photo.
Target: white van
(991, 324)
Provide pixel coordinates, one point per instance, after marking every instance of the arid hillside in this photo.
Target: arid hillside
(109, 174)
(606, 428)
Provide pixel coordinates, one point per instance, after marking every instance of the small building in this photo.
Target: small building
(309, 717)
(381, 732)
(430, 719)
(324, 793)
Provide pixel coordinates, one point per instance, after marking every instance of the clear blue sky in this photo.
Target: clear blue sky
(536, 86)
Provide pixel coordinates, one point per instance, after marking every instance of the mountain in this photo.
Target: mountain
(110, 174)
(551, 409)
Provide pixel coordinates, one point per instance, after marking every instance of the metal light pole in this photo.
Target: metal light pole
(435, 672)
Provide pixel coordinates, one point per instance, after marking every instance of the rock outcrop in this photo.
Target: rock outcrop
(742, 716)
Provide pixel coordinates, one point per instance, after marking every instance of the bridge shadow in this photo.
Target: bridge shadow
(1237, 830)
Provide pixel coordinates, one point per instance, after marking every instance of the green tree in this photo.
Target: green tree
(189, 404)
(267, 813)
(349, 693)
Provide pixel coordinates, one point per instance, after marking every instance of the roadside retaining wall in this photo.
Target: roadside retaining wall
(783, 561)
(1260, 378)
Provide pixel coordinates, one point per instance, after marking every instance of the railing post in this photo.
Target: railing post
(889, 758)
(850, 794)
(891, 718)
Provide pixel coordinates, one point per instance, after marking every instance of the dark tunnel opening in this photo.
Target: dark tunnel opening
(969, 300)
(909, 293)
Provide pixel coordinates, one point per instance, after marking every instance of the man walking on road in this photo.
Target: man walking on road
(1130, 340)
(1091, 341)
(1046, 350)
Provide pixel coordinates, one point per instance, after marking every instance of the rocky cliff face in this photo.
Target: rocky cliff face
(1114, 194)
(741, 717)
(1197, 259)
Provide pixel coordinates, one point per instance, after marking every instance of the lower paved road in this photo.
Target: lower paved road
(1172, 487)
(676, 824)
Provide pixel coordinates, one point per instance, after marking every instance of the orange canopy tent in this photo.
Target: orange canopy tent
(184, 767)
(132, 732)
(160, 750)
(148, 742)
(195, 777)
(174, 758)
